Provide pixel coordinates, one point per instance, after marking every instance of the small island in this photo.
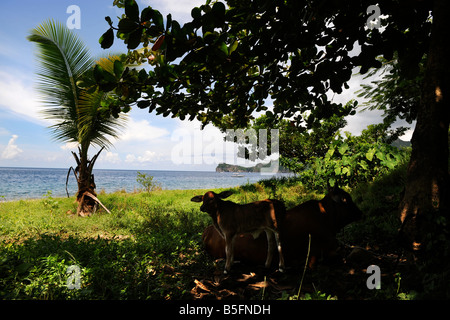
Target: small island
(224, 167)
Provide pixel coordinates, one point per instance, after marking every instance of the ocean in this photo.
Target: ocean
(33, 183)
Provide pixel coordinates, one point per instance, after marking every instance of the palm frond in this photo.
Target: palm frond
(62, 60)
(96, 123)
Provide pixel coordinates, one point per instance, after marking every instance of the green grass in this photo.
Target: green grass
(150, 246)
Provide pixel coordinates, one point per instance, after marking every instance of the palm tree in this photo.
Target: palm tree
(79, 114)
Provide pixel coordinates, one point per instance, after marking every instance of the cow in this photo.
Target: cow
(321, 219)
(231, 219)
(246, 248)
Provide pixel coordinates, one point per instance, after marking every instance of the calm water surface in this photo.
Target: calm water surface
(28, 183)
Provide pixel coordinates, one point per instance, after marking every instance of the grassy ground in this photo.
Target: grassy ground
(150, 247)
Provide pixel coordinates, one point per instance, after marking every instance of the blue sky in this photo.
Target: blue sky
(149, 142)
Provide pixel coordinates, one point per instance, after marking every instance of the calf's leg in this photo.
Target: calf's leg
(280, 252)
(270, 248)
(229, 252)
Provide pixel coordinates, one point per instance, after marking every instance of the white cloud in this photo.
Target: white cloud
(11, 150)
(204, 147)
(69, 146)
(17, 96)
(142, 131)
(110, 157)
(180, 9)
(148, 156)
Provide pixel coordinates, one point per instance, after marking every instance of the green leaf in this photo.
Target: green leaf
(223, 47)
(343, 148)
(102, 76)
(134, 39)
(158, 20)
(218, 9)
(233, 47)
(346, 170)
(196, 13)
(146, 14)
(107, 39)
(364, 164)
(389, 161)
(380, 155)
(143, 104)
(176, 29)
(142, 75)
(269, 114)
(329, 153)
(108, 19)
(370, 154)
(98, 73)
(126, 25)
(118, 68)
(169, 22)
(210, 36)
(332, 181)
(132, 10)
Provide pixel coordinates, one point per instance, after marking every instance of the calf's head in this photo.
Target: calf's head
(346, 209)
(210, 200)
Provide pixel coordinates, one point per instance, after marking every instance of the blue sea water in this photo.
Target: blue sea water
(30, 183)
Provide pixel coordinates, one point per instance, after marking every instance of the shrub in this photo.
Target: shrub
(146, 181)
(352, 160)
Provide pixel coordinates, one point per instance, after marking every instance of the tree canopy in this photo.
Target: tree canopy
(230, 59)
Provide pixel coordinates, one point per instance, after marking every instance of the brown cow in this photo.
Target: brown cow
(320, 218)
(231, 219)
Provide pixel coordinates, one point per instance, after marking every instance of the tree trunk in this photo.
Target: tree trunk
(427, 195)
(86, 184)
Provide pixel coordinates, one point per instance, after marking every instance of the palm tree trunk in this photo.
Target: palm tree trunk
(86, 184)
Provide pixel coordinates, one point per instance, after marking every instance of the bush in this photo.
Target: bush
(352, 160)
(146, 181)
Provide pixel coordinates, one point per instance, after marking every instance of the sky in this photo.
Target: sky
(149, 142)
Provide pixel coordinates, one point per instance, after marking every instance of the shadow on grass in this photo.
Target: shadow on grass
(109, 268)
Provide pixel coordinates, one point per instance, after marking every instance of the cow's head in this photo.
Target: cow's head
(210, 200)
(346, 209)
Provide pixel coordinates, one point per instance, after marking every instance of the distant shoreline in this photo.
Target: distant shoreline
(224, 167)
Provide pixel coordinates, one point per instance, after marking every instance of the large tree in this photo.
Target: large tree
(79, 115)
(223, 65)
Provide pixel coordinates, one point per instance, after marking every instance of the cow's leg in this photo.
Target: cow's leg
(229, 252)
(280, 252)
(270, 247)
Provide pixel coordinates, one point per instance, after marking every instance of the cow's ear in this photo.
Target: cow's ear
(197, 199)
(225, 194)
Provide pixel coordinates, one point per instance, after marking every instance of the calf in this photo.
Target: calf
(231, 220)
(246, 248)
(320, 218)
